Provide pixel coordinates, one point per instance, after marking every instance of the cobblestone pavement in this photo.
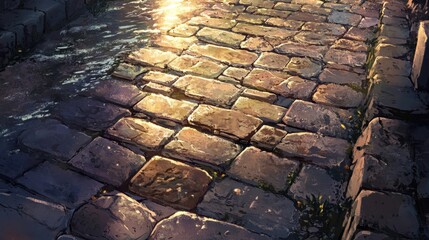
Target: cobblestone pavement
(235, 121)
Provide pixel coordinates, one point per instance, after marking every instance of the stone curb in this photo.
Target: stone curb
(23, 27)
(382, 185)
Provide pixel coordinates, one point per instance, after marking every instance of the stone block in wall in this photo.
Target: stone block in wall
(390, 66)
(73, 7)
(420, 69)
(390, 50)
(28, 25)
(393, 214)
(394, 31)
(55, 12)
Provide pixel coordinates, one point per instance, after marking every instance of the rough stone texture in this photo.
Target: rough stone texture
(160, 78)
(333, 122)
(353, 59)
(195, 227)
(391, 213)
(263, 110)
(152, 57)
(171, 182)
(330, 75)
(263, 31)
(113, 217)
(390, 50)
(140, 132)
(314, 148)
(194, 146)
(250, 18)
(391, 66)
(268, 137)
(128, 71)
(251, 208)
(61, 185)
(208, 90)
(304, 67)
(351, 45)
(108, 162)
(199, 66)
(256, 44)
(259, 95)
(226, 55)
(230, 122)
(158, 88)
(315, 38)
(338, 96)
(212, 22)
(118, 92)
(262, 168)
(325, 28)
(302, 50)
(344, 18)
(164, 107)
(183, 30)
(90, 114)
(54, 138)
(212, 35)
(420, 74)
(176, 43)
(236, 73)
(280, 83)
(316, 181)
(288, 24)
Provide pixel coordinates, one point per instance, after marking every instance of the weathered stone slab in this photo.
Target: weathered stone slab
(315, 148)
(288, 24)
(178, 43)
(330, 75)
(226, 55)
(302, 50)
(287, 6)
(128, 71)
(212, 22)
(253, 208)
(262, 168)
(368, 22)
(251, 18)
(344, 18)
(306, 17)
(164, 107)
(63, 186)
(108, 162)
(268, 12)
(263, 31)
(118, 92)
(280, 83)
(394, 31)
(268, 137)
(272, 61)
(208, 90)
(259, 95)
(360, 34)
(256, 44)
(304, 67)
(90, 114)
(392, 213)
(316, 181)
(338, 96)
(333, 122)
(237, 73)
(195, 146)
(353, 59)
(354, 46)
(171, 182)
(232, 123)
(152, 57)
(390, 50)
(324, 28)
(223, 37)
(158, 88)
(199, 66)
(160, 78)
(54, 138)
(315, 38)
(183, 30)
(266, 111)
(113, 217)
(420, 74)
(258, 3)
(316, 10)
(140, 132)
(196, 227)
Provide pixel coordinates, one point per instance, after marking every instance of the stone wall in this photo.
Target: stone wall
(387, 175)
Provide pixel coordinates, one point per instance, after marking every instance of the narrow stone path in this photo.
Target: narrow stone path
(236, 121)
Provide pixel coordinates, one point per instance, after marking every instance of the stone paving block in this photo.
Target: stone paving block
(288, 24)
(221, 37)
(237, 73)
(317, 149)
(62, 186)
(287, 6)
(391, 213)
(108, 162)
(199, 66)
(360, 34)
(55, 12)
(316, 181)
(159, 212)
(269, 12)
(324, 28)
(259, 95)
(183, 30)
(268, 137)
(250, 207)
(354, 46)
(304, 67)
(316, 10)
(394, 31)
(212, 22)
(170, 182)
(390, 50)
(391, 66)
(128, 71)
(331, 121)
(302, 50)
(368, 22)
(194, 146)
(26, 216)
(256, 44)
(338, 96)
(142, 133)
(164, 107)
(272, 61)
(258, 3)
(208, 90)
(13, 161)
(152, 57)
(158, 88)
(263, 31)
(90, 114)
(337, 6)
(251, 18)
(263, 110)
(280, 83)
(113, 217)
(308, 2)
(315, 38)
(118, 92)
(353, 59)
(178, 43)
(344, 18)
(330, 75)
(226, 55)
(232, 123)
(306, 17)
(262, 168)
(397, 81)
(219, 14)
(54, 138)
(160, 78)
(196, 227)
